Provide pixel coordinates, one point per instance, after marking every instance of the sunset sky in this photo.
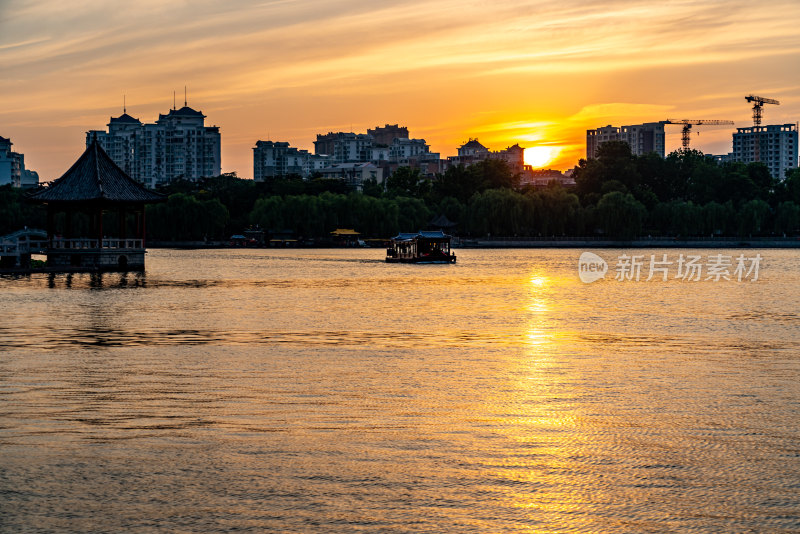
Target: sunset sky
(534, 72)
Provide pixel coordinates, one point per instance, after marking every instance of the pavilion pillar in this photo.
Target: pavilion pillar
(122, 222)
(68, 223)
(50, 219)
(99, 227)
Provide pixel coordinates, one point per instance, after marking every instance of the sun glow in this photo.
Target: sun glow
(541, 156)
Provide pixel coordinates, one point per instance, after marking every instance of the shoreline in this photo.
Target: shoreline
(710, 243)
(500, 243)
(720, 242)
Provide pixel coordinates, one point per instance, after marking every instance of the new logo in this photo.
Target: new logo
(591, 267)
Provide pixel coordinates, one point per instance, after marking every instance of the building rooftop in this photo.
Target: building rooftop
(125, 118)
(473, 143)
(185, 111)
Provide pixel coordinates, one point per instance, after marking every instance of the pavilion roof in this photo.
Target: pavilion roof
(95, 177)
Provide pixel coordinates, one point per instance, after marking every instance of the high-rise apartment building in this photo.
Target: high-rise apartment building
(642, 138)
(177, 146)
(774, 145)
(384, 135)
(12, 167)
(274, 159)
(344, 147)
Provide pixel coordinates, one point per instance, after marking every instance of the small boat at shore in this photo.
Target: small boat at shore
(420, 247)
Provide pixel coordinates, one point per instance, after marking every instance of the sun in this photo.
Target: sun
(540, 156)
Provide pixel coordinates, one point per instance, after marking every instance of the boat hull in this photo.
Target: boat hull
(451, 259)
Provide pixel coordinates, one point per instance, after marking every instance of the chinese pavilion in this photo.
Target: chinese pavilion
(96, 216)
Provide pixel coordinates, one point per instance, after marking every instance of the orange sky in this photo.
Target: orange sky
(534, 72)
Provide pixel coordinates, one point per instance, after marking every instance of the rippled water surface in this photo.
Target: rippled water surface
(327, 391)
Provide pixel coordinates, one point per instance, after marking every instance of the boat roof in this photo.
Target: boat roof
(424, 234)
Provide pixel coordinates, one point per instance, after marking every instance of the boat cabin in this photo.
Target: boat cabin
(420, 247)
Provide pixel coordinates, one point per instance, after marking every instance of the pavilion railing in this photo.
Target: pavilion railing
(94, 244)
(15, 247)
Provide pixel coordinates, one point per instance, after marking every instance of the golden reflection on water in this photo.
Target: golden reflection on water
(538, 418)
(333, 392)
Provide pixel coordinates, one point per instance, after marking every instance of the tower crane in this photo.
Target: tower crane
(687, 127)
(758, 104)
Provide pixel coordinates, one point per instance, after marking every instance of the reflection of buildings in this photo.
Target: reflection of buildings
(12, 167)
(177, 146)
(642, 138)
(774, 145)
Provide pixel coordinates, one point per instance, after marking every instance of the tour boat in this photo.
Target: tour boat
(420, 247)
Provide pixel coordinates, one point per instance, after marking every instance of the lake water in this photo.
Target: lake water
(328, 391)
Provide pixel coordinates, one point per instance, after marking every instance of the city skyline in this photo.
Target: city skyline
(534, 74)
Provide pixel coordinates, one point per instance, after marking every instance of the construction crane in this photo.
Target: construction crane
(759, 102)
(687, 127)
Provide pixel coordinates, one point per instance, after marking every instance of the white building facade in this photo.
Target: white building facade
(177, 146)
(272, 159)
(12, 167)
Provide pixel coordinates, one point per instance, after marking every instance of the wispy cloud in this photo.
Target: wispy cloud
(542, 71)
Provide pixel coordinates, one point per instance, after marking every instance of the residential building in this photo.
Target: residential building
(473, 148)
(384, 135)
(379, 153)
(514, 156)
(9, 163)
(354, 173)
(273, 159)
(642, 138)
(774, 145)
(468, 153)
(598, 136)
(541, 178)
(429, 165)
(404, 148)
(387, 148)
(12, 167)
(344, 146)
(645, 138)
(323, 146)
(177, 146)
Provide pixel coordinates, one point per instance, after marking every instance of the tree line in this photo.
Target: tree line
(617, 194)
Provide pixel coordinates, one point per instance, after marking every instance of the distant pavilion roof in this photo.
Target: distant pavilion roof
(441, 222)
(95, 177)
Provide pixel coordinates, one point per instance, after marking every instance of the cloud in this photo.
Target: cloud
(534, 71)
